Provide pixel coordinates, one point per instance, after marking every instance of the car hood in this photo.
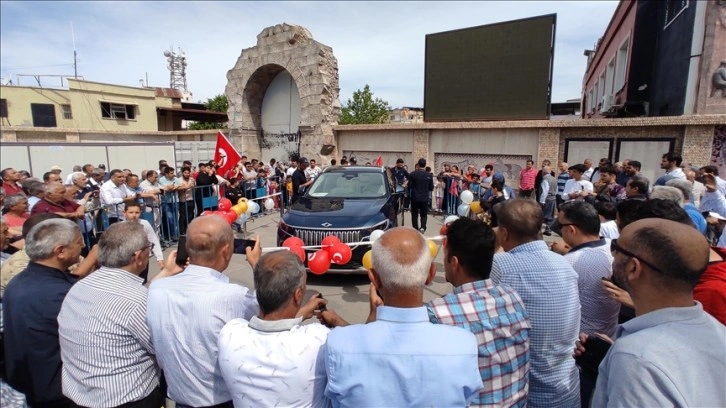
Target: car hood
(311, 212)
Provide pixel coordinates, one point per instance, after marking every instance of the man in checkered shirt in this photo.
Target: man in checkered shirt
(495, 314)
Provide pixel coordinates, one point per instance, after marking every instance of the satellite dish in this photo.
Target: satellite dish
(167, 54)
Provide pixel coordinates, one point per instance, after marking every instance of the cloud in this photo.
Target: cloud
(376, 43)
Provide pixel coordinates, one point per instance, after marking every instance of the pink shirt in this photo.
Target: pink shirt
(526, 179)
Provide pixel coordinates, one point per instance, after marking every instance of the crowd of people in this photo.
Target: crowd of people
(626, 309)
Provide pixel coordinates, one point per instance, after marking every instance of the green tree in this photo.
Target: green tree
(364, 109)
(216, 104)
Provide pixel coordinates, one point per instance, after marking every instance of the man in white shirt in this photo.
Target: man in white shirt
(274, 360)
(577, 188)
(114, 194)
(587, 174)
(187, 311)
(697, 189)
(671, 163)
(312, 171)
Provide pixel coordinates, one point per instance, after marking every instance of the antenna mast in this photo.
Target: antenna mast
(75, 61)
(177, 69)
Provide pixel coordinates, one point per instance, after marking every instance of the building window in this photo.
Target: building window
(621, 66)
(118, 111)
(67, 112)
(3, 108)
(673, 9)
(610, 77)
(43, 114)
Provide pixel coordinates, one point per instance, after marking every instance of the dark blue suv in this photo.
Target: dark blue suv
(348, 202)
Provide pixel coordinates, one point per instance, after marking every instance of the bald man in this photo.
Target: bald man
(672, 353)
(187, 311)
(401, 359)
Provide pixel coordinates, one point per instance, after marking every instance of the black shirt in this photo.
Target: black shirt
(204, 179)
(298, 179)
(400, 174)
(31, 305)
(421, 184)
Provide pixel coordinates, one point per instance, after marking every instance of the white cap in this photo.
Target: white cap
(716, 216)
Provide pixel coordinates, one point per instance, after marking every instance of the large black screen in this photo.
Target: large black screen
(493, 72)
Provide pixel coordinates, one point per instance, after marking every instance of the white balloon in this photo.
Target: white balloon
(242, 218)
(375, 235)
(463, 210)
(269, 204)
(450, 219)
(253, 206)
(466, 197)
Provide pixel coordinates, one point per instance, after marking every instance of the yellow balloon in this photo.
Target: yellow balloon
(368, 260)
(475, 207)
(240, 208)
(242, 200)
(433, 248)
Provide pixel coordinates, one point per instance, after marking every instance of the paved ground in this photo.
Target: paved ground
(346, 294)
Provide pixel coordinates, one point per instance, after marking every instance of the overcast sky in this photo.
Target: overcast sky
(376, 43)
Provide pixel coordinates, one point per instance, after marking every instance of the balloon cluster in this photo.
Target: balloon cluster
(333, 251)
(468, 204)
(241, 211)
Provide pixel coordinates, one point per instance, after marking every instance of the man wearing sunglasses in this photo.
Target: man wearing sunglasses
(672, 353)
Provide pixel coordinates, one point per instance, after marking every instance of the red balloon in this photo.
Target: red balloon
(224, 204)
(298, 251)
(319, 262)
(329, 242)
(293, 241)
(340, 253)
(230, 216)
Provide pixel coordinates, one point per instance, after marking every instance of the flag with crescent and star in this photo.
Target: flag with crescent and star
(225, 155)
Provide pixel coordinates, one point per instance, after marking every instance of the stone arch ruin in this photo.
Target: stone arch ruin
(314, 69)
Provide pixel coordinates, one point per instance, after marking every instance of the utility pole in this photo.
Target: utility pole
(75, 61)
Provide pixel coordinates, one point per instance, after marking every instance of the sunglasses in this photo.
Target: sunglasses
(614, 247)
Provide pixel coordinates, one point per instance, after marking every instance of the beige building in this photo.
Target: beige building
(406, 115)
(91, 105)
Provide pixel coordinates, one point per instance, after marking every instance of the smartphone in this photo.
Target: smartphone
(322, 308)
(595, 350)
(181, 252)
(240, 244)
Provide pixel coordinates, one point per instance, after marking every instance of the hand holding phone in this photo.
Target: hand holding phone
(181, 253)
(589, 361)
(241, 244)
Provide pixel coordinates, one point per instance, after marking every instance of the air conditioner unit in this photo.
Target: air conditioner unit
(607, 102)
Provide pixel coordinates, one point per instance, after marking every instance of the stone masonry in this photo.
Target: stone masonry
(314, 68)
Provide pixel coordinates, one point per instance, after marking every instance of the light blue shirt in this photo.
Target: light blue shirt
(714, 201)
(547, 284)
(401, 360)
(185, 313)
(672, 357)
(171, 196)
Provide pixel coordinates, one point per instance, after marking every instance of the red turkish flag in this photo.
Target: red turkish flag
(379, 161)
(225, 155)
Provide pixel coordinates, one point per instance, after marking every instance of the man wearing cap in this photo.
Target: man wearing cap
(422, 184)
(56, 169)
(106, 175)
(299, 180)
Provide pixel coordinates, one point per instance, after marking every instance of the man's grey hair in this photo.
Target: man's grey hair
(667, 193)
(14, 199)
(52, 187)
(77, 176)
(685, 186)
(277, 275)
(395, 275)
(98, 172)
(34, 187)
(119, 242)
(77, 167)
(49, 234)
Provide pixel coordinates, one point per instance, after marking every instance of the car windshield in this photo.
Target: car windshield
(349, 185)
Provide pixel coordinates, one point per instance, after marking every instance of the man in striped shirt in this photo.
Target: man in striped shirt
(108, 357)
(562, 181)
(494, 313)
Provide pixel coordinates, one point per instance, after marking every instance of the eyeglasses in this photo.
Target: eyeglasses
(150, 246)
(614, 247)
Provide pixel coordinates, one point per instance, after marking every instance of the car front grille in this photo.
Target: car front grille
(315, 236)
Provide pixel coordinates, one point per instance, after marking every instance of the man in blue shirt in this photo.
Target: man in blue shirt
(401, 359)
(672, 353)
(547, 285)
